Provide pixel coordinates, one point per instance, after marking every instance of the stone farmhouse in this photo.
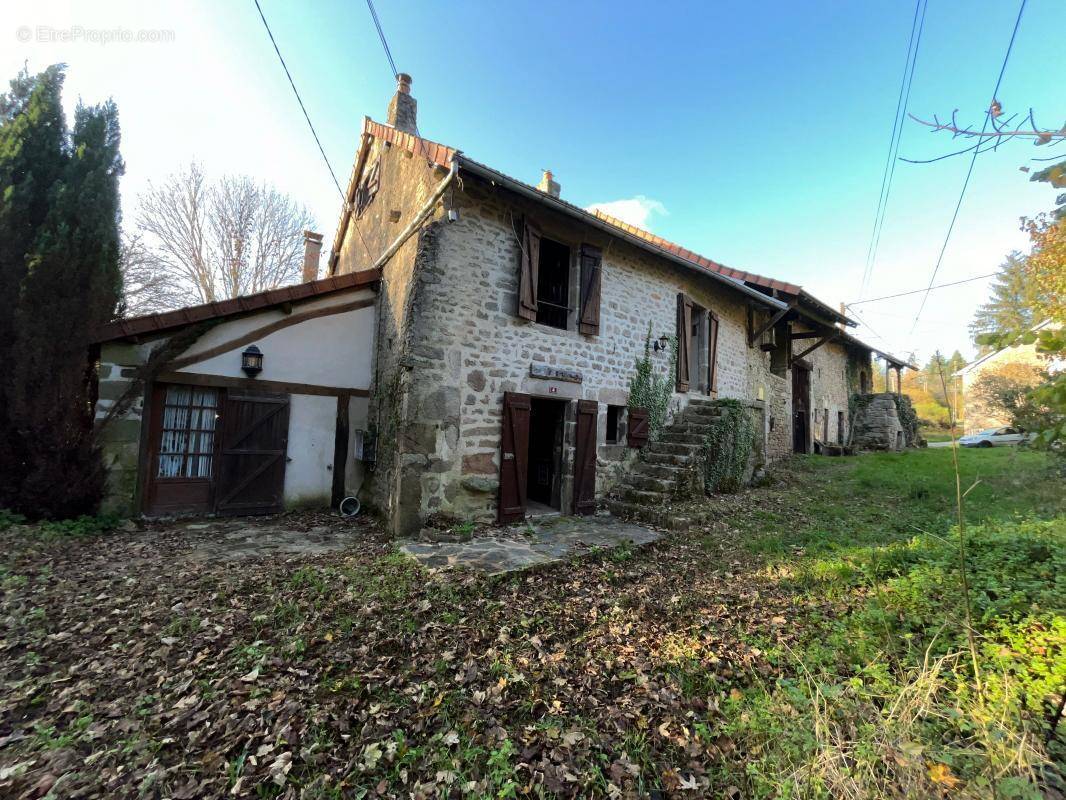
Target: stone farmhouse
(468, 354)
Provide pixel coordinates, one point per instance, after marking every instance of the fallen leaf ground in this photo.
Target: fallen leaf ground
(130, 670)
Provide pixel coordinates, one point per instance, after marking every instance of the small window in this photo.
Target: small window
(187, 440)
(614, 419)
(553, 284)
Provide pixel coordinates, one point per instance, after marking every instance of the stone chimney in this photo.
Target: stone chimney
(403, 109)
(312, 250)
(548, 185)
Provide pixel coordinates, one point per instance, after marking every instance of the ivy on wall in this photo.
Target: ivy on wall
(908, 420)
(730, 448)
(650, 389)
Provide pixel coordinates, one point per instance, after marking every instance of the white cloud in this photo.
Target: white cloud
(638, 210)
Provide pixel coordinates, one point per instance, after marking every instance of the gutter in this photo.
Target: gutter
(590, 219)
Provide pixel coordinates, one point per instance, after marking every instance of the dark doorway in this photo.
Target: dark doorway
(544, 479)
(801, 408)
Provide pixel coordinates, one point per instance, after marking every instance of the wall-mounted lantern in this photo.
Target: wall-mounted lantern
(662, 343)
(252, 361)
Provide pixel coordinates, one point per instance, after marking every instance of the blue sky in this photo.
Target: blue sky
(755, 133)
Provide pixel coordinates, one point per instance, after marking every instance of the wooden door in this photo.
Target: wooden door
(585, 457)
(514, 457)
(252, 470)
(801, 402)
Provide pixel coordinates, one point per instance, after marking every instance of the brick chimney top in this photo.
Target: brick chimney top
(312, 251)
(403, 109)
(548, 184)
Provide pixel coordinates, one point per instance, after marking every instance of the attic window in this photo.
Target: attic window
(553, 284)
(367, 190)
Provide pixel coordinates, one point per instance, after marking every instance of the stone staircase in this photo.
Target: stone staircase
(669, 473)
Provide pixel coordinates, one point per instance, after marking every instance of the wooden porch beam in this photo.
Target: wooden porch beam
(824, 340)
(754, 335)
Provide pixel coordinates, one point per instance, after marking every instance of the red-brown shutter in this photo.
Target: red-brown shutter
(637, 427)
(529, 270)
(585, 457)
(591, 267)
(514, 457)
(684, 328)
(712, 354)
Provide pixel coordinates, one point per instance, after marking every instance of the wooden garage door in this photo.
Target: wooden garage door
(252, 469)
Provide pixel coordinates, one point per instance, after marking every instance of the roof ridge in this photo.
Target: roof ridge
(696, 258)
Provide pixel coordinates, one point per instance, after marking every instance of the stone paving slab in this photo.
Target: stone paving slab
(535, 542)
(232, 540)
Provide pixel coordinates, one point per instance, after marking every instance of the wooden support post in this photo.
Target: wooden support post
(824, 340)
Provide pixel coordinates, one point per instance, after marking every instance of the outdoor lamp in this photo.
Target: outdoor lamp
(252, 361)
(662, 343)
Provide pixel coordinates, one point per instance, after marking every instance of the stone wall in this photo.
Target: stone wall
(470, 347)
(877, 425)
(119, 429)
(406, 183)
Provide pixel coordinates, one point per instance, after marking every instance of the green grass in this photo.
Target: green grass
(885, 694)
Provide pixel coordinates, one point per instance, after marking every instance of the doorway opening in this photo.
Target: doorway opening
(544, 476)
(801, 409)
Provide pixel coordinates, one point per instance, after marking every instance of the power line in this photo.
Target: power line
(973, 161)
(906, 81)
(299, 100)
(919, 291)
(381, 35)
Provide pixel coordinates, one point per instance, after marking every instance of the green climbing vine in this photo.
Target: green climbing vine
(650, 389)
(730, 444)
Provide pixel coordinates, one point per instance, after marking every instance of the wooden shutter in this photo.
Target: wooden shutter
(637, 427)
(585, 457)
(529, 272)
(252, 472)
(684, 328)
(591, 267)
(712, 354)
(514, 457)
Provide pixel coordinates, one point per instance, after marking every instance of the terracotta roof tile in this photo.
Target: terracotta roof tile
(696, 258)
(167, 320)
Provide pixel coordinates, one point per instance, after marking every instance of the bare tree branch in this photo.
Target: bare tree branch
(1003, 130)
(211, 242)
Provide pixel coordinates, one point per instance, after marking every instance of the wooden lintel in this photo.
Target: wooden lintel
(753, 335)
(824, 340)
(258, 384)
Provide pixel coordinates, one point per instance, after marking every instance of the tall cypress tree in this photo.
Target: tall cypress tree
(71, 285)
(33, 154)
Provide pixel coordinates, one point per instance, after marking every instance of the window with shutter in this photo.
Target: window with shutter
(712, 355)
(591, 267)
(684, 326)
(529, 272)
(368, 189)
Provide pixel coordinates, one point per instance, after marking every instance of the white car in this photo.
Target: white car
(995, 437)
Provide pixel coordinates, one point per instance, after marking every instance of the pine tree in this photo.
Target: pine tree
(70, 286)
(32, 157)
(1011, 306)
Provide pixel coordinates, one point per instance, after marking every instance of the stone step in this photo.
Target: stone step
(698, 427)
(701, 414)
(665, 459)
(674, 436)
(703, 402)
(656, 516)
(649, 483)
(640, 496)
(673, 448)
(667, 471)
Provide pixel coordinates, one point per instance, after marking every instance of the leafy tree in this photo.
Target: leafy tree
(1013, 302)
(71, 285)
(32, 159)
(1006, 392)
